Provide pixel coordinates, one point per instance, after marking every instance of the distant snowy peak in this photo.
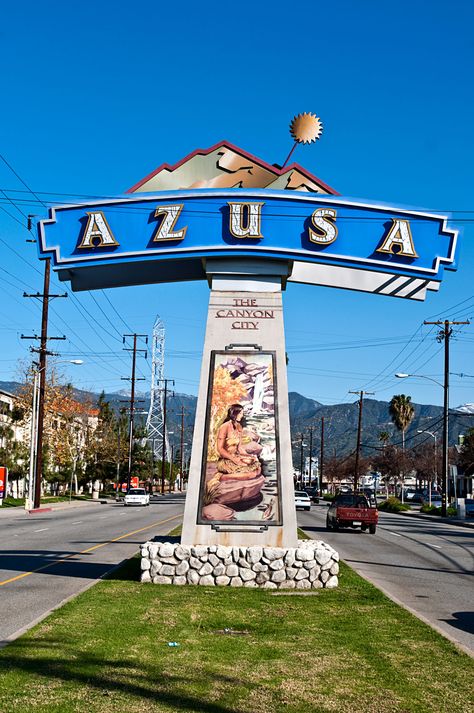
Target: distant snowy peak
(127, 392)
(466, 408)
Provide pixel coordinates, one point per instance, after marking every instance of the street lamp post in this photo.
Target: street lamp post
(433, 435)
(33, 496)
(444, 474)
(33, 445)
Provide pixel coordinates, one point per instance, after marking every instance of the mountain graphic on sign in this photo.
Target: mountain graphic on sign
(226, 166)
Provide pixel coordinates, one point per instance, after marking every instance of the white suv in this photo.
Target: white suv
(136, 496)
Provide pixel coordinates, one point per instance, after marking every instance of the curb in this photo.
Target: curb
(437, 518)
(51, 507)
(36, 511)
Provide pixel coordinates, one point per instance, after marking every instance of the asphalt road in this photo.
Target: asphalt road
(49, 557)
(426, 566)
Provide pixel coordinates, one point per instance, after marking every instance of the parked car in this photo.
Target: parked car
(136, 496)
(313, 494)
(302, 500)
(469, 502)
(352, 510)
(435, 499)
(370, 495)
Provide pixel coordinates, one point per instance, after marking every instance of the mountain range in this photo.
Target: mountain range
(340, 420)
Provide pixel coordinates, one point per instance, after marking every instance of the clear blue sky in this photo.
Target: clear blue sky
(95, 95)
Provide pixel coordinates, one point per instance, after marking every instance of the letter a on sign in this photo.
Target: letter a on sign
(399, 235)
(245, 220)
(97, 233)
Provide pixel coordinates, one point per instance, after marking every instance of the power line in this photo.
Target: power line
(134, 197)
(21, 180)
(13, 217)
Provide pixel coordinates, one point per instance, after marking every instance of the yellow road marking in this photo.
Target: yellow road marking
(90, 549)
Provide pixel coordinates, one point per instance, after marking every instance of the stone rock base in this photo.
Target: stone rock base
(311, 565)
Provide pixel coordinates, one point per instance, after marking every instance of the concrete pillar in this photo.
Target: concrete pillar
(245, 321)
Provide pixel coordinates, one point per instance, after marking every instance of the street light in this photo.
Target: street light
(34, 478)
(433, 435)
(445, 387)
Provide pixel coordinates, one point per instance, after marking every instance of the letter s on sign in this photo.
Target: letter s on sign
(326, 230)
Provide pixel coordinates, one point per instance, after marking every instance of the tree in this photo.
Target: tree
(66, 423)
(384, 437)
(401, 412)
(390, 461)
(427, 462)
(466, 455)
(103, 444)
(338, 469)
(13, 454)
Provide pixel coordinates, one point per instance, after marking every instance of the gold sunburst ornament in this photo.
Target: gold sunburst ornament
(304, 128)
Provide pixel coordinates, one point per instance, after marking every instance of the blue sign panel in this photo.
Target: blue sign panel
(168, 237)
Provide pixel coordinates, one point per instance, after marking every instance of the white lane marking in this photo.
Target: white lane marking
(78, 522)
(394, 534)
(43, 529)
(437, 547)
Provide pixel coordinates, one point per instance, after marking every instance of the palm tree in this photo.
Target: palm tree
(402, 412)
(384, 437)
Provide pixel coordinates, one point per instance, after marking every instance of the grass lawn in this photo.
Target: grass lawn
(240, 651)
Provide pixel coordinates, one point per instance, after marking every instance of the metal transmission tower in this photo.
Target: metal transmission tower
(155, 423)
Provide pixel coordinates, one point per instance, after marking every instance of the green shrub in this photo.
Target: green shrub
(10, 502)
(434, 510)
(328, 497)
(393, 504)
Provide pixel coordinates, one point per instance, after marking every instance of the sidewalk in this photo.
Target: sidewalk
(436, 518)
(47, 507)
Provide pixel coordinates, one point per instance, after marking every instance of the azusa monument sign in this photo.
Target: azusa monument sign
(249, 229)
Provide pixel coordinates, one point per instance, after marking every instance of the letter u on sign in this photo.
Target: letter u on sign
(245, 220)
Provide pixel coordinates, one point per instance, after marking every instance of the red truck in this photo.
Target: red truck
(352, 510)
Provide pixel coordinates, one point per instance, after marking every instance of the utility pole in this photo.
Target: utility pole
(43, 353)
(301, 464)
(181, 451)
(359, 434)
(134, 378)
(443, 335)
(163, 450)
(171, 467)
(118, 465)
(321, 458)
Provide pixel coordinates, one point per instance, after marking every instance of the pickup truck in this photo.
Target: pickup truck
(352, 510)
